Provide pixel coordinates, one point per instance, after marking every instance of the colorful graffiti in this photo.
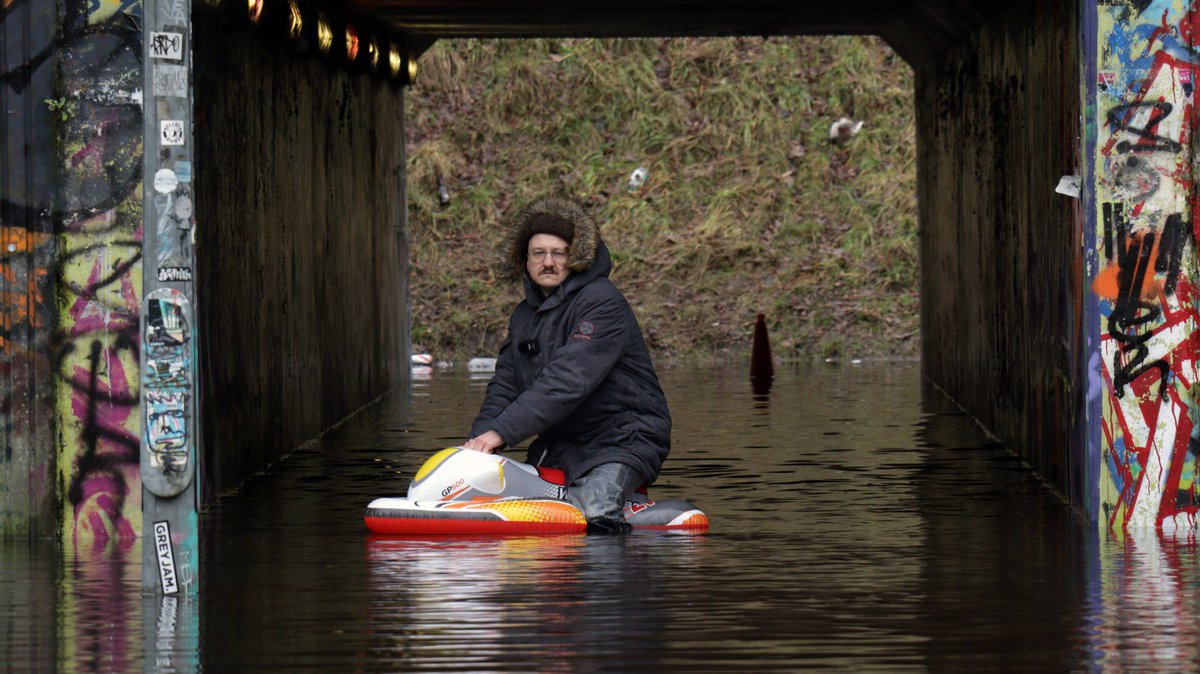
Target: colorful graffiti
(1145, 240)
(168, 381)
(99, 274)
(70, 220)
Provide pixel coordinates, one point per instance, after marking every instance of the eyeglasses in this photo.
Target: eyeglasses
(539, 254)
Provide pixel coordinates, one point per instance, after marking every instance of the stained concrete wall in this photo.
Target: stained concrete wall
(998, 124)
(301, 269)
(27, 197)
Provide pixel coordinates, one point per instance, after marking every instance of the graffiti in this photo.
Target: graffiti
(24, 274)
(170, 81)
(166, 46)
(173, 11)
(72, 214)
(168, 393)
(1118, 119)
(101, 170)
(22, 295)
(166, 430)
(187, 574)
(1132, 313)
(1147, 289)
(174, 275)
(100, 11)
(97, 215)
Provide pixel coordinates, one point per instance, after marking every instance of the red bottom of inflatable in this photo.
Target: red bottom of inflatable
(417, 527)
(517, 516)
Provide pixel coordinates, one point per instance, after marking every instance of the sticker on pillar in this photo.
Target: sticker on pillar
(170, 80)
(171, 131)
(167, 463)
(166, 46)
(165, 181)
(162, 374)
(167, 576)
(167, 432)
(183, 169)
(183, 211)
(174, 275)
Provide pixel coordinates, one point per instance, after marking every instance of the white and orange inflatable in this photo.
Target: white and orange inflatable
(462, 491)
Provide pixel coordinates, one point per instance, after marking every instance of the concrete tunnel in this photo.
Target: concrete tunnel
(205, 260)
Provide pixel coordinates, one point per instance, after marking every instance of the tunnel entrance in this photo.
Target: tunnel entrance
(730, 176)
(296, 231)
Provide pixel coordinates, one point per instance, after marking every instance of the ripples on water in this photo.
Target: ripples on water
(860, 522)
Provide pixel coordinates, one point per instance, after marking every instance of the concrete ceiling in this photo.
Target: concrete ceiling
(917, 29)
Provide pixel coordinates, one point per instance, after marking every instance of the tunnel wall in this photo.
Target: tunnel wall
(27, 185)
(301, 257)
(998, 124)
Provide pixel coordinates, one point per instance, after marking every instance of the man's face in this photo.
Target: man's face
(546, 261)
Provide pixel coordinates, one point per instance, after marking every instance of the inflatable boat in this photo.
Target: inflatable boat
(463, 491)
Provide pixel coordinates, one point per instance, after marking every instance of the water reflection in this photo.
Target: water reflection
(860, 522)
(98, 610)
(171, 633)
(487, 602)
(1144, 618)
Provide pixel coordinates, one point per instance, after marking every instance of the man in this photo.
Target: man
(574, 369)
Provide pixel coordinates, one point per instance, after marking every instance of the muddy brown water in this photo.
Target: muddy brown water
(860, 522)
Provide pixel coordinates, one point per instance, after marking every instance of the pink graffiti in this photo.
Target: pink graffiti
(99, 514)
(93, 316)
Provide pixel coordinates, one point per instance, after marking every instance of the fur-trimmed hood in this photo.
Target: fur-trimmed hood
(566, 211)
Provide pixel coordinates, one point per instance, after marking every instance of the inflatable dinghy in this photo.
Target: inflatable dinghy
(463, 491)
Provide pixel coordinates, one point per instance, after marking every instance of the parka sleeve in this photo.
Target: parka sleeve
(579, 367)
(500, 393)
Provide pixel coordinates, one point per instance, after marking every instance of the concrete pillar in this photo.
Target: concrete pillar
(168, 331)
(1140, 200)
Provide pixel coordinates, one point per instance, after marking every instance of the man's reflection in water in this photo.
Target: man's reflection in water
(559, 601)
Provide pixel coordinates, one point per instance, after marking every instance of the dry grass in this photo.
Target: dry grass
(748, 206)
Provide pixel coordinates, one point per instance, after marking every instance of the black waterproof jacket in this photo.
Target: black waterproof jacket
(574, 371)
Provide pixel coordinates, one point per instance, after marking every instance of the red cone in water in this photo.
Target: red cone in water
(761, 366)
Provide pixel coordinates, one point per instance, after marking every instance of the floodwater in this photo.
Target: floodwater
(860, 522)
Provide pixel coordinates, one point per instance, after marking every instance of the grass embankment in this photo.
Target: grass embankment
(748, 206)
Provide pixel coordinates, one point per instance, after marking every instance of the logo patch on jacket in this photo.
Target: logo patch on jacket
(584, 331)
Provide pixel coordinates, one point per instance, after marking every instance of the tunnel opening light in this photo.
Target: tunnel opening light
(255, 10)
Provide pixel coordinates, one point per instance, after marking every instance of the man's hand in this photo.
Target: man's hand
(488, 442)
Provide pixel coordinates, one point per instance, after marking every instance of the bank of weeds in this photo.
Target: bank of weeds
(748, 207)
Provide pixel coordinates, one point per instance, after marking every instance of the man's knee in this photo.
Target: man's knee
(601, 495)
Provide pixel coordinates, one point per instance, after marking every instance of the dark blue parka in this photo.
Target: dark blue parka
(588, 390)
